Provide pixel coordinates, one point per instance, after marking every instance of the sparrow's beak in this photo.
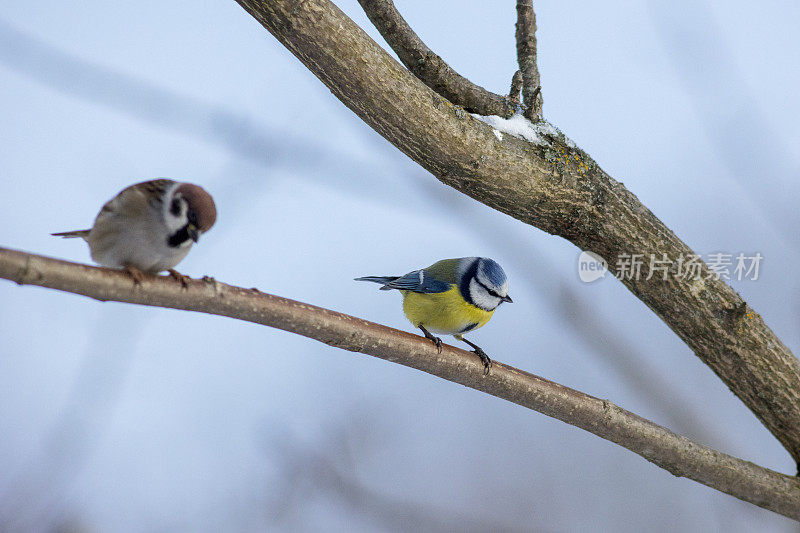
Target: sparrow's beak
(193, 233)
(507, 298)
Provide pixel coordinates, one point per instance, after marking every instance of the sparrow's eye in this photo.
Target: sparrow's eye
(192, 216)
(175, 207)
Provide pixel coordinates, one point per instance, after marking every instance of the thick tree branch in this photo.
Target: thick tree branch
(526, 57)
(550, 184)
(680, 456)
(429, 67)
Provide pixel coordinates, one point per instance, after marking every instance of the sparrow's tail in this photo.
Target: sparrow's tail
(83, 233)
(383, 280)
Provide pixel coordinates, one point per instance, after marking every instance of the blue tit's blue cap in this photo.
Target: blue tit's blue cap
(492, 272)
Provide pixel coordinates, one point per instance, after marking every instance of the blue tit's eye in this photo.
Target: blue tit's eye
(490, 291)
(175, 207)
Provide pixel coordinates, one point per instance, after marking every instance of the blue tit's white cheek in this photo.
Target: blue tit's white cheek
(481, 297)
(503, 290)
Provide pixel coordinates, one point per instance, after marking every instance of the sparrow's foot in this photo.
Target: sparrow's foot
(436, 340)
(487, 363)
(174, 274)
(136, 275)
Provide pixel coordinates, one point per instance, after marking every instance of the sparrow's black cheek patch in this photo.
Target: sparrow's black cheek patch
(175, 207)
(179, 237)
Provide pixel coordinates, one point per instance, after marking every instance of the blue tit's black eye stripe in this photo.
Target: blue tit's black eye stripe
(490, 291)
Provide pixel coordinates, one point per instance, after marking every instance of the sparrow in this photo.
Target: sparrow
(149, 227)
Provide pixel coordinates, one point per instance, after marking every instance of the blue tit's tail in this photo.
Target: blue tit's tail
(383, 280)
(83, 233)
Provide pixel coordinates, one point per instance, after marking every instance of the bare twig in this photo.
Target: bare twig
(526, 57)
(552, 185)
(516, 87)
(679, 455)
(429, 67)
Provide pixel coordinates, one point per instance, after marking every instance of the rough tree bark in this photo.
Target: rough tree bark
(552, 185)
(526, 56)
(680, 456)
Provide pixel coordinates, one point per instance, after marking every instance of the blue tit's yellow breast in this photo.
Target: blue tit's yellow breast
(446, 313)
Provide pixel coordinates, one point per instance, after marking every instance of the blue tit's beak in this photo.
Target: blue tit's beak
(194, 234)
(507, 298)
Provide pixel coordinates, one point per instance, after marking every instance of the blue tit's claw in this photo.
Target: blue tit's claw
(438, 342)
(487, 363)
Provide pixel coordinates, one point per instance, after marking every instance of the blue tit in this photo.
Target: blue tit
(451, 297)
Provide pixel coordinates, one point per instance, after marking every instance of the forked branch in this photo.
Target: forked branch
(428, 66)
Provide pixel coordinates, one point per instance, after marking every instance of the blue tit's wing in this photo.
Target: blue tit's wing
(448, 270)
(418, 281)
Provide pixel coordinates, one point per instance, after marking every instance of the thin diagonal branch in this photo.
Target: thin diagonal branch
(429, 67)
(679, 455)
(526, 57)
(552, 185)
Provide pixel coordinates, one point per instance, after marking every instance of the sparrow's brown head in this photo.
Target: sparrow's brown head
(202, 212)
